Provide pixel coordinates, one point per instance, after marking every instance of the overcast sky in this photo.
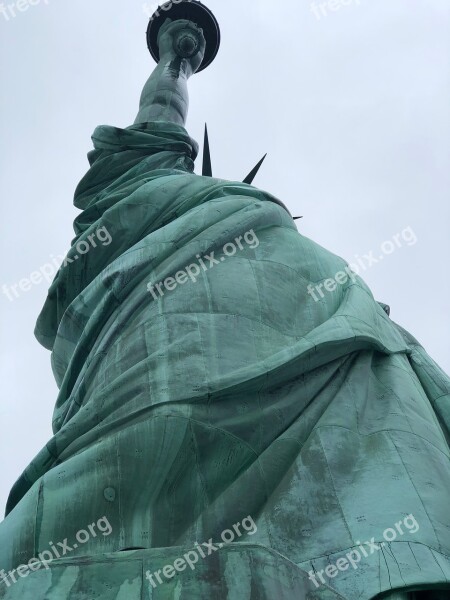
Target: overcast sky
(352, 106)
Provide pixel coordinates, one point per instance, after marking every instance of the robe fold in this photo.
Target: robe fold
(233, 394)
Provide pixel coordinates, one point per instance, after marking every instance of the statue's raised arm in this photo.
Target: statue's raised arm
(165, 95)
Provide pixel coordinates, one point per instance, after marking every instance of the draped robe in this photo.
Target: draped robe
(235, 395)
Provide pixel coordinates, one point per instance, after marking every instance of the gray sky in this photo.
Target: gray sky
(352, 106)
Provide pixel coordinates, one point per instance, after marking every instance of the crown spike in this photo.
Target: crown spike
(207, 167)
(251, 176)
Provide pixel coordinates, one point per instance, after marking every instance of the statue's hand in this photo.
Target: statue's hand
(167, 36)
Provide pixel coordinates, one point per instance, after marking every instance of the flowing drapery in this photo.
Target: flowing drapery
(236, 394)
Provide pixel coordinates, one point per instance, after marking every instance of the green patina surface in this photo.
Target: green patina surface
(235, 396)
(232, 396)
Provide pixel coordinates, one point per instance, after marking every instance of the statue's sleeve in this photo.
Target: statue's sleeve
(123, 163)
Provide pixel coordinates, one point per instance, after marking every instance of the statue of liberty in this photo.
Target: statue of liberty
(219, 432)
